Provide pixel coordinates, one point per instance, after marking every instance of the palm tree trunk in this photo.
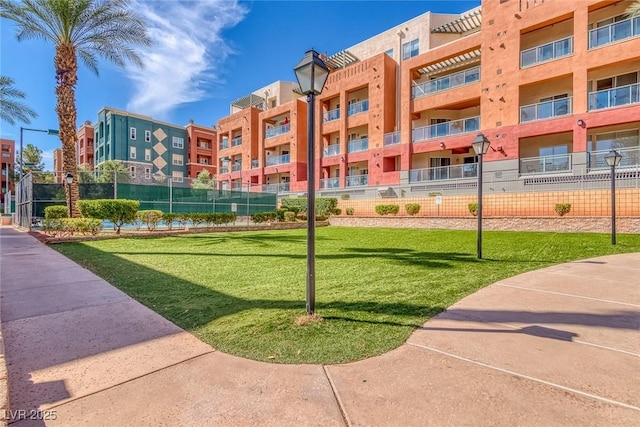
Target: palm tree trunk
(66, 64)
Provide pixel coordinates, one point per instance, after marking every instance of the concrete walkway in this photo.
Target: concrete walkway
(559, 346)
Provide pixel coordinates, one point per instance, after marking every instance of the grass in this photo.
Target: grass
(244, 292)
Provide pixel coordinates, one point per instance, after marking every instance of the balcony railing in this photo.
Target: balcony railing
(358, 107)
(615, 97)
(614, 32)
(546, 110)
(331, 150)
(224, 144)
(469, 170)
(255, 163)
(447, 82)
(392, 138)
(224, 169)
(331, 115)
(330, 183)
(545, 164)
(277, 130)
(358, 145)
(546, 52)
(236, 167)
(276, 188)
(357, 180)
(440, 130)
(630, 158)
(236, 141)
(278, 160)
(204, 145)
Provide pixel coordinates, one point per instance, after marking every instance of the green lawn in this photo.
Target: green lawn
(242, 292)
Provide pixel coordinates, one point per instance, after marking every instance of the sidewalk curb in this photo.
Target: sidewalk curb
(4, 384)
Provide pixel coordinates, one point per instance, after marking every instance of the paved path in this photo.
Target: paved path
(559, 346)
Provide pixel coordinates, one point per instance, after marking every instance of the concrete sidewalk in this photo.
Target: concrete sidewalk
(559, 346)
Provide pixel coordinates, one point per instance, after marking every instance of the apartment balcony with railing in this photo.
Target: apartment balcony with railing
(615, 97)
(358, 107)
(330, 183)
(204, 145)
(357, 180)
(331, 150)
(331, 115)
(545, 164)
(276, 188)
(630, 158)
(277, 130)
(236, 167)
(358, 145)
(546, 52)
(546, 110)
(450, 81)
(468, 170)
(614, 32)
(236, 141)
(224, 169)
(278, 160)
(454, 127)
(255, 163)
(392, 138)
(224, 143)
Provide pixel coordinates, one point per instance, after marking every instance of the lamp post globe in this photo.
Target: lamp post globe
(613, 159)
(480, 145)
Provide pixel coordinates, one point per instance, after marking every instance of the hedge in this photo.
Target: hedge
(59, 227)
(412, 208)
(118, 211)
(56, 212)
(387, 209)
(325, 206)
(150, 217)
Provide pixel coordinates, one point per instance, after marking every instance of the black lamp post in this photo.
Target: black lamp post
(480, 146)
(311, 73)
(69, 179)
(613, 159)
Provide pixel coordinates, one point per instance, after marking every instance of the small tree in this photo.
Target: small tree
(119, 211)
(107, 171)
(204, 180)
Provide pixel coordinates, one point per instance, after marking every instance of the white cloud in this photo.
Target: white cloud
(186, 54)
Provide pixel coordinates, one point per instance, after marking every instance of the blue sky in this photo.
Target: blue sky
(205, 55)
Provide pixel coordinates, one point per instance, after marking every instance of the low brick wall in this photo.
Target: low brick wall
(629, 225)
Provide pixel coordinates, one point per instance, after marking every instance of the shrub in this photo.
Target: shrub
(224, 218)
(563, 208)
(337, 211)
(58, 227)
(168, 219)
(150, 217)
(473, 209)
(344, 196)
(412, 208)
(387, 209)
(350, 211)
(56, 212)
(261, 217)
(290, 216)
(280, 214)
(197, 218)
(324, 205)
(118, 211)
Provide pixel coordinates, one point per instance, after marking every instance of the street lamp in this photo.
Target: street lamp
(480, 146)
(47, 131)
(613, 159)
(311, 73)
(69, 179)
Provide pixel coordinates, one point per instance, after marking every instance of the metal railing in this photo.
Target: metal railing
(546, 110)
(277, 130)
(469, 170)
(236, 141)
(546, 52)
(358, 107)
(204, 145)
(331, 115)
(630, 158)
(330, 183)
(224, 144)
(331, 150)
(440, 130)
(236, 167)
(255, 163)
(224, 169)
(392, 138)
(446, 82)
(357, 180)
(278, 160)
(276, 188)
(615, 97)
(545, 164)
(614, 32)
(358, 145)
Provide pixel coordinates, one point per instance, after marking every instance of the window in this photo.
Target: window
(389, 53)
(132, 153)
(410, 49)
(147, 173)
(204, 161)
(132, 171)
(6, 155)
(147, 154)
(178, 159)
(178, 142)
(147, 136)
(177, 176)
(132, 133)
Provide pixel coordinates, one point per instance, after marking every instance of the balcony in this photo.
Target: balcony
(331, 150)
(615, 97)
(276, 188)
(204, 145)
(358, 107)
(331, 115)
(358, 145)
(236, 167)
(546, 110)
(277, 130)
(392, 138)
(278, 160)
(224, 144)
(447, 82)
(546, 164)
(546, 52)
(469, 170)
(255, 163)
(455, 127)
(630, 158)
(330, 183)
(236, 141)
(224, 169)
(614, 32)
(357, 180)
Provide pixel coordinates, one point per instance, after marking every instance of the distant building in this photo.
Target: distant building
(84, 147)
(7, 167)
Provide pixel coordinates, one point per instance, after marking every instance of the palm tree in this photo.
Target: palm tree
(10, 108)
(633, 9)
(88, 29)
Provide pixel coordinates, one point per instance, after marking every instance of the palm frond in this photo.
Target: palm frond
(634, 9)
(10, 108)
